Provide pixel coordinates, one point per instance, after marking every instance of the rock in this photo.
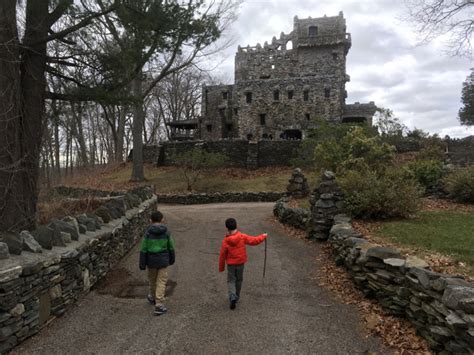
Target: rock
(14, 242)
(82, 228)
(103, 213)
(328, 175)
(341, 218)
(455, 321)
(44, 236)
(441, 283)
(55, 292)
(57, 240)
(395, 262)
(96, 220)
(66, 237)
(383, 253)
(18, 310)
(72, 221)
(29, 243)
(413, 261)
(440, 333)
(453, 295)
(10, 273)
(4, 254)
(67, 228)
(467, 305)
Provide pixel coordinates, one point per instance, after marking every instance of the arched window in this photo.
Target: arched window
(312, 31)
(289, 45)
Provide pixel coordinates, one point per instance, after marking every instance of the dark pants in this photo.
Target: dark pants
(235, 276)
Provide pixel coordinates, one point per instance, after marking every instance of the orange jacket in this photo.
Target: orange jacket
(233, 251)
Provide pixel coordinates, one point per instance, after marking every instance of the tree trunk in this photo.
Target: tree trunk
(137, 128)
(121, 134)
(21, 112)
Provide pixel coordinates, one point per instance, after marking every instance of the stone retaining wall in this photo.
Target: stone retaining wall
(295, 217)
(202, 198)
(440, 306)
(38, 286)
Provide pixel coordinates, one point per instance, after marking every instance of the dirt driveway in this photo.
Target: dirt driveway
(289, 313)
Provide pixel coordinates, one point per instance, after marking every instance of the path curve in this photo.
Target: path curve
(289, 313)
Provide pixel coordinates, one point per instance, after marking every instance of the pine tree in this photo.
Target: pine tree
(466, 113)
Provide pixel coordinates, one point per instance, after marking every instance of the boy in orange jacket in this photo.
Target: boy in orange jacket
(234, 253)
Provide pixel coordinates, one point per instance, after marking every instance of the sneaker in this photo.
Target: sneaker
(150, 299)
(233, 303)
(159, 310)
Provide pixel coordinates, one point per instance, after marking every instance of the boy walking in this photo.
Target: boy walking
(234, 254)
(156, 254)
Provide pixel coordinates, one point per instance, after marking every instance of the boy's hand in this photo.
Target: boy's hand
(265, 235)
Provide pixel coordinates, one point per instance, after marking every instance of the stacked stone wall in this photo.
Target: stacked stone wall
(202, 198)
(36, 287)
(440, 306)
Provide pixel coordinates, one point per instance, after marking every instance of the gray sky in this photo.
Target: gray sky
(420, 83)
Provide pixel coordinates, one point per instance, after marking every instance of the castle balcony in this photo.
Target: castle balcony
(326, 40)
(182, 130)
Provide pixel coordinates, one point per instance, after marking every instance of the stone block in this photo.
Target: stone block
(4, 254)
(453, 295)
(18, 310)
(383, 253)
(413, 261)
(103, 213)
(10, 273)
(66, 228)
(44, 236)
(14, 242)
(29, 243)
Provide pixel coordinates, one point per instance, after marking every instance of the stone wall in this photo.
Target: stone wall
(440, 306)
(38, 286)
(239, 152)
(194, 199)
(461, 151)
(295, 217)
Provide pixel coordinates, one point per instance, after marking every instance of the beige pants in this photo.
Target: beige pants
(158, 279)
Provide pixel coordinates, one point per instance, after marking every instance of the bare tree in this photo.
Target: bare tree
(454, 18)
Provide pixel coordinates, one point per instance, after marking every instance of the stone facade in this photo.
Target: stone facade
(282, 87)
(41, 284)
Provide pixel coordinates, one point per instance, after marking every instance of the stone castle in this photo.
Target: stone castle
(282, 88)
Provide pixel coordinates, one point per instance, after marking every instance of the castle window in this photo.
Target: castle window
(290, 94)
(249, 136)
(306, 95)
(222, 112)
(224, 95)
(229, 127)
(308, 116)
(209, 127)
(276, 95)
(236, 111)
(327, 93)
(273, 66)
(335, 56)
(248, 97)
(289, 45)
(312, 31)
(262, 119)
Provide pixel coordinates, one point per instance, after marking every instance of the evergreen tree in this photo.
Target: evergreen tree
(466, 113)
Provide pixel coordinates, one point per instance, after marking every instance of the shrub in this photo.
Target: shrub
(197, 160)
(460, 184)
(426, 172)
(371, 195)
(356, 150)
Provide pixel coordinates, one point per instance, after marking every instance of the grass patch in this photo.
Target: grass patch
(448, 232)
(171, 179)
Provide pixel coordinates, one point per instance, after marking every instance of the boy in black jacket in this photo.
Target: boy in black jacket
(156, 254)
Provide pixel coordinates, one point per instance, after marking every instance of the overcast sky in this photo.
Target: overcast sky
(421, 84)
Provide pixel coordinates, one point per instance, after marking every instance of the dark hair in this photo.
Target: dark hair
(156, 217)
(231, 224)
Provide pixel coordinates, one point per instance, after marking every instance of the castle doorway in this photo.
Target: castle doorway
(354, 120)
(292, 134)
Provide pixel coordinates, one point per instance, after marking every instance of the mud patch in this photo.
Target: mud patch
(121, 284)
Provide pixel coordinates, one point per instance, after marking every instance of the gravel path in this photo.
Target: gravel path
(289, 313)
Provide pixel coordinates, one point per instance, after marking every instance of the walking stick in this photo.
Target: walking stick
(265, 262)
